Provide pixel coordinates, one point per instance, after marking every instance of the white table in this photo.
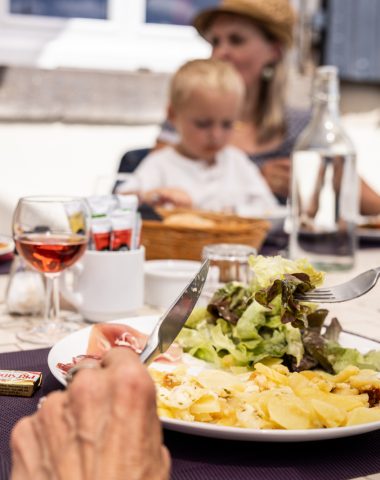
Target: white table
(360, 316)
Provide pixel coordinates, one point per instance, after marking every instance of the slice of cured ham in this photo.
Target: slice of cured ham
(104, 336)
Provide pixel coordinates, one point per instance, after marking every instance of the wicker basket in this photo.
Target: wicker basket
(163, 241)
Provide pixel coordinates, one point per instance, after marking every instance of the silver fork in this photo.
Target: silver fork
(354, 288)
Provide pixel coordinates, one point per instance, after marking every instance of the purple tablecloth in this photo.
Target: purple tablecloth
(197, 458)
(5, 264)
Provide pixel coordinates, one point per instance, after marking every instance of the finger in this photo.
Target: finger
(116, 356)
(57, 434)
(88, 411)
(132, 390)
(132, 395)
(81, 365)
(166, 462)
(26, 452)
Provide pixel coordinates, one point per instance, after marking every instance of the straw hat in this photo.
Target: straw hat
(275, 16)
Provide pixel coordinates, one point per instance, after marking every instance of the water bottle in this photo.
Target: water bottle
(324, 199)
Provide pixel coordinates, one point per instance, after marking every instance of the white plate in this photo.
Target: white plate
(76, 344)
(8, 247)
(369, 233)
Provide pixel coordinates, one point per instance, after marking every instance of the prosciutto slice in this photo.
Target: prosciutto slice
(105, 336)
(65, 367)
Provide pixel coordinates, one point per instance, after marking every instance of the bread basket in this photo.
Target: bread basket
(186, 241)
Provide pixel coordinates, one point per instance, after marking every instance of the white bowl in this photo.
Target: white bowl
(165, 280)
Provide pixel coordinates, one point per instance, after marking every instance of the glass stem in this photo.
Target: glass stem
(52, 299)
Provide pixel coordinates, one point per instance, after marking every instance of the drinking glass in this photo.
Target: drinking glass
(228, 262)
(51, 234)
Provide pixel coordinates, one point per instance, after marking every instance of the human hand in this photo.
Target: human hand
(163, 196)
(104, 426)
(277, 174)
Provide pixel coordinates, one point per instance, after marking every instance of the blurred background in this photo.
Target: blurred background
(83, 81)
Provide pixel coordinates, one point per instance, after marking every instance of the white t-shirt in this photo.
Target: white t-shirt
(233, 181)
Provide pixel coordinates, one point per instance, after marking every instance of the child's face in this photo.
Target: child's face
(205, 122)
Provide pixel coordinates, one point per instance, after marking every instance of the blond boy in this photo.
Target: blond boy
(202, 171)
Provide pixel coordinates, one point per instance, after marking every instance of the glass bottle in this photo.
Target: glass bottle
(325, 189)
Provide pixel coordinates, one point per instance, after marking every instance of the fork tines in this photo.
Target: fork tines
(320, 294)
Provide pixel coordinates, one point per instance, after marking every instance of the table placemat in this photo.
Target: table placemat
(5, 264)
(198, 458)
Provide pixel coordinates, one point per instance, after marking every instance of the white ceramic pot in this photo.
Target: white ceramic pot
(165, 280)
(107, 285)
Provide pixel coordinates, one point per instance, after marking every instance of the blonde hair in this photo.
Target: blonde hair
(269, 114)
(206, 73)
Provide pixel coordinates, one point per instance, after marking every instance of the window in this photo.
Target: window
(61, 8)
(177, 12)
(100, 34)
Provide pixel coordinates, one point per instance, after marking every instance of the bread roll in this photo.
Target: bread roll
(190, 220)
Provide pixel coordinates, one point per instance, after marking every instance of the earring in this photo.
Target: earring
(267, 72)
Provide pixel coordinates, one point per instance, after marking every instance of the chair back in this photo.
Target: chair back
(131, 160)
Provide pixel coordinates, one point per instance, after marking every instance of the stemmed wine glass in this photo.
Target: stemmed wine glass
(51, 234)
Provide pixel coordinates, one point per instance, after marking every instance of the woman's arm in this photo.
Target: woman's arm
(369, 200)
(277, 174)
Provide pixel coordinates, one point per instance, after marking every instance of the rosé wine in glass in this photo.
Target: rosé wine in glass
(51, 234)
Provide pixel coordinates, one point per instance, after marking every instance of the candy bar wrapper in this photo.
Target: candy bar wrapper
(18, 383)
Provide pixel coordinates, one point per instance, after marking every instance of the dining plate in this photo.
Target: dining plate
(369, 234)
(76, 344)
(6, 245)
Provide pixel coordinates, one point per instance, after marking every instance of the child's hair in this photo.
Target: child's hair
(205, 73)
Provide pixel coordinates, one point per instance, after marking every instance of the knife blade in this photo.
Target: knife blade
(171, 323)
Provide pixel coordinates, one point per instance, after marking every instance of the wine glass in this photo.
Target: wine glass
(51, 234)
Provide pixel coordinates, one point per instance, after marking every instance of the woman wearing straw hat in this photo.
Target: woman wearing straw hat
(254, 35)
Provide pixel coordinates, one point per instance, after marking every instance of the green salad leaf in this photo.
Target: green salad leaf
(262, 321)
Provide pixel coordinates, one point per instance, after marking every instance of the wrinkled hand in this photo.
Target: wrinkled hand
(104, 426)
(163, 196)
(277, 174)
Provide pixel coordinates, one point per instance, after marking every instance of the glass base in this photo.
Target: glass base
(48, 334)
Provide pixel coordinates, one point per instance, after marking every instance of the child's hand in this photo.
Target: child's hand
(164, 196)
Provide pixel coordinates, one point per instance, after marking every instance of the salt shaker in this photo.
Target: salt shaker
(25, 293)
